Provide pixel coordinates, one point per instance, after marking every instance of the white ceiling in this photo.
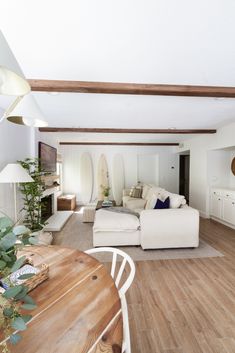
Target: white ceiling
(151, 41)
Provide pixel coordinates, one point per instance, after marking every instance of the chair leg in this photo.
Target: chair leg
(126, 346)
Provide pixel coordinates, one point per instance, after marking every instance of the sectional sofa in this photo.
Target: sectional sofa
(176, 227)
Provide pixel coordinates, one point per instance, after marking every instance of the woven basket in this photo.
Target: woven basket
(38, 278)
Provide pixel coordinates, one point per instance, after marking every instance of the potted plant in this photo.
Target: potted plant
(106, 192)
(32, 195)
(15, 297)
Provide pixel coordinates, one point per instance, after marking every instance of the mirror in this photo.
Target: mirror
(233, 166)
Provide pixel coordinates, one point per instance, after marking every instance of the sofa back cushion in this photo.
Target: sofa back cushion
(176, 201)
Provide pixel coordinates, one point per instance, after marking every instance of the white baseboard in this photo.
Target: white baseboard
(204, 214)
(223, 222)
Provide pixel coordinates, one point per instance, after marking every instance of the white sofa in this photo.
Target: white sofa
(176, 227)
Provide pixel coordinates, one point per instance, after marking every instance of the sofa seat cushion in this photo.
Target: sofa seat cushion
(110, 221)
(133, 203)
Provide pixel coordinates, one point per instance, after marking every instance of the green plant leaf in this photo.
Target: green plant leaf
(28, 300)
(22, 293)
(28, 306)
(8, 241)
(15, 338)
(12, 292)
(5, 222)
(18, 324)
(18, 264)
(6, 257)
(8, 312)
(2, 264)
(33, 241)
(26, 318)
(26, 276)
(18, 230)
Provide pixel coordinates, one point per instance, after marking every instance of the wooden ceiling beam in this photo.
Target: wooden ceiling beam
(131, 88)
(128, 131)
(120, 143)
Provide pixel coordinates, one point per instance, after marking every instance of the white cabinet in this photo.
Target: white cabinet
(222, 205)
(216, 206)
(229, 210)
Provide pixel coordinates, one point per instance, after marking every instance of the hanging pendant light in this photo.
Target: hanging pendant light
(12, 81)
(27, 112)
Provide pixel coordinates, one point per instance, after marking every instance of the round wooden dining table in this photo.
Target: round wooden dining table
(78, 306)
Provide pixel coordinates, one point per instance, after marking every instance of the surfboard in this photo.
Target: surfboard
(118, 178)
(102, 176)
(86, 177)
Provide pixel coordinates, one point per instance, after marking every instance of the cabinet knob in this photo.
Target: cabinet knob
(227, 195)
(233, 203)
(219, 199)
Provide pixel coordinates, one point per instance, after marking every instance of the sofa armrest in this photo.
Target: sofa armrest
(126, 192)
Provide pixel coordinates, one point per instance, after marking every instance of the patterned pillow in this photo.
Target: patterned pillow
(136, 192)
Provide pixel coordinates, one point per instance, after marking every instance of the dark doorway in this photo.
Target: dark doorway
(184, 176)
(46, 207)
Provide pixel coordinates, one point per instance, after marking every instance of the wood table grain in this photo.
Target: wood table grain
(78, 308)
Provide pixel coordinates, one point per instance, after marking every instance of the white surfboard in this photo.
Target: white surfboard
(102, 176)
(86, 177)
(118, 178)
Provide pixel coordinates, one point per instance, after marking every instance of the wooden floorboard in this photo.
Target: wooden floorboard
(188, 305)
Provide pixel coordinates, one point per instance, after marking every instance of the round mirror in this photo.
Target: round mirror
(233, 166)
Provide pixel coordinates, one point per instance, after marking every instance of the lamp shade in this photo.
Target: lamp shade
(14, 173)
(12, 81)
(27, 112)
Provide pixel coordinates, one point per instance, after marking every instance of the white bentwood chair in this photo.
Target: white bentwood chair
(126, 259)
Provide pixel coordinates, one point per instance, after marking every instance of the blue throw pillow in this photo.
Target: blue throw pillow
(162, 204)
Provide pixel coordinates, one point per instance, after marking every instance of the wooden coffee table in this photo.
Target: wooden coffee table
(99, 204)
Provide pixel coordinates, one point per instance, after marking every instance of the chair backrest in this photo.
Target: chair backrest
(126, 259)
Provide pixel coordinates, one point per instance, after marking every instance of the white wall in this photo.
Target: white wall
(201, 159)
(168, 177)
(15, 144)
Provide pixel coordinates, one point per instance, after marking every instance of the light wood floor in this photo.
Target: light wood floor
(186, 306)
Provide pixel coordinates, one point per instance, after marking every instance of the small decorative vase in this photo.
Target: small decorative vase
(106, 198)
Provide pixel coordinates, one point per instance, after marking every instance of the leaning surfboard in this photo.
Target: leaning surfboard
(86, 177)
(118, 178)
(102, 176)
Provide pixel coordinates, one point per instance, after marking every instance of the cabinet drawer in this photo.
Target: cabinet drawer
(216, 192)
(229, 194)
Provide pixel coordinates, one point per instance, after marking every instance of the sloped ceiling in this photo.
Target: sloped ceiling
(151, 41)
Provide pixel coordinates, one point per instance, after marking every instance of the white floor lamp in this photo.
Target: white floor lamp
(14, 173)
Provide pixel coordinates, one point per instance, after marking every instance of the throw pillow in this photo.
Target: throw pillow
(151, 202)
(162, 204)
(136, 192)
(146, 189)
